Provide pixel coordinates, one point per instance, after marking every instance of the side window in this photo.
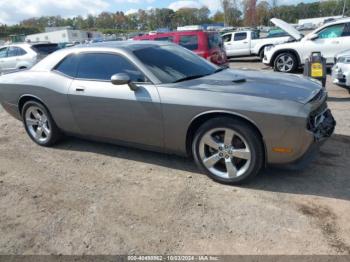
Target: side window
(240, 36)
(68, 65)
(167, 38)
(3, 52)
(227, 38)
(255, 35)
(332, 31)
(99, 66)
(189, 41)
(21, 51)
(15, 51)
(346, 31)
(12, 51)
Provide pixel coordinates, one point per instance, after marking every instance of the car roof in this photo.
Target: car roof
(125, 46)
(25, 44)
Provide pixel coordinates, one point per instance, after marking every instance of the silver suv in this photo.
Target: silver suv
(23, 55)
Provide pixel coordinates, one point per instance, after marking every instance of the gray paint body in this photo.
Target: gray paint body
(158, 116)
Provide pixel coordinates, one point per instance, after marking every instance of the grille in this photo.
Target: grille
(316, 116)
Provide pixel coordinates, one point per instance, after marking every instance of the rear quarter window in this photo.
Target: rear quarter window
(189, 41)
(68, 66)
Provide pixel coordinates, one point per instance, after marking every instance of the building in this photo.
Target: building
(316, 22)
(66, 35)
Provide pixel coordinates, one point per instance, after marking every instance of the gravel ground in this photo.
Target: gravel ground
(82, 197)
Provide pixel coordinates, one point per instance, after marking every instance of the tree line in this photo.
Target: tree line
(235, 13)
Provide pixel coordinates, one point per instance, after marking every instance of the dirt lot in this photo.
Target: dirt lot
(88, 198)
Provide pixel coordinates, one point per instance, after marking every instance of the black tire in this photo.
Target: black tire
(55, 133)
(251, 137)
(289, 67)
(262, 53)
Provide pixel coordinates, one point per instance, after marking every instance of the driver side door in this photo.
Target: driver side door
(115, 112)
(330, 41)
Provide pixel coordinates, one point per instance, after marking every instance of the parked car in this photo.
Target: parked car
(328, 39)
(276, 32)
(205, 44)
(341, 70)
(249, 43)
(160, 96)
(23, 55)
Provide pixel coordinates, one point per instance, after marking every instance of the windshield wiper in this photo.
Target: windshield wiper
(189, 78)
(222, 68)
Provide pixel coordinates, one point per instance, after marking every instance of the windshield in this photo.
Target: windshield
(45, 49)
(171, 63)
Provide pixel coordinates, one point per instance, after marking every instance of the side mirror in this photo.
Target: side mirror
(313, 37)
(123, 79)
(120, 79)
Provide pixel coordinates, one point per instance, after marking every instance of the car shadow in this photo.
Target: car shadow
(338, 99)
(327, 176)
(244, 59)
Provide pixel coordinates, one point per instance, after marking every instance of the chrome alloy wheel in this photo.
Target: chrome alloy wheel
(225, 153)
(285, 63)
(37, 124)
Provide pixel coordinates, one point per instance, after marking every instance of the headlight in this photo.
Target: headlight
(343, 59)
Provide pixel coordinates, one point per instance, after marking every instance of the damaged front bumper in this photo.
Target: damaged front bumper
(322, 124)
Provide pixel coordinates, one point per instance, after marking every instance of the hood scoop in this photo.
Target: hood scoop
(239, 80)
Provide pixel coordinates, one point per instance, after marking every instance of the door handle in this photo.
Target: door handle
(80, 89)
(335, 42)
(245, 42)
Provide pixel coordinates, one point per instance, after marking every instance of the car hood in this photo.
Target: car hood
(287, 28)
(345, 53)
(257, 83)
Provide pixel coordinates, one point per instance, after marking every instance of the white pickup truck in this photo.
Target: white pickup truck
(248, 43)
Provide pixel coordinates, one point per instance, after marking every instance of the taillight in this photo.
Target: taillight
(206, 54)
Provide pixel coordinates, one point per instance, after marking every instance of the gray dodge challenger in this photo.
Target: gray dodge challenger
(162, 97)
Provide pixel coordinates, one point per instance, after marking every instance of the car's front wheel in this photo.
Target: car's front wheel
(285, 63)
(228, 150)
(39, 124)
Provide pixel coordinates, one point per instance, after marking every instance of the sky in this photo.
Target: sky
(13, 11)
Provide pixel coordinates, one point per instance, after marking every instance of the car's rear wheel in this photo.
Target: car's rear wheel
(285, 63)
(39, 124)
(228, 150)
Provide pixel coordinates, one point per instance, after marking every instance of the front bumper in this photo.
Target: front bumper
(322, 125)
(341, 75)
